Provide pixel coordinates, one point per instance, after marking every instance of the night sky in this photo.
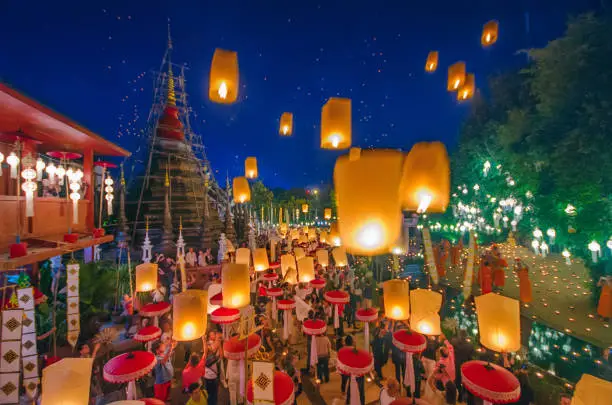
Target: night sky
(94, 62)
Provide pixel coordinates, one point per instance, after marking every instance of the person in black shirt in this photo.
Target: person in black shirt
(429, 356)
(378, 351)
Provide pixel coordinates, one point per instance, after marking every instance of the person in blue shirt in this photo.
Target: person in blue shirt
(164, 370)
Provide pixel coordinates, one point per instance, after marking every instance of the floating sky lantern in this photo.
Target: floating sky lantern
(432, 62)
(242, 191)
(250, 167)
(299, 253)
(306, 269)
(369, 222)
(334, 235)
(323, 237)
(236, 285)
(466, 91)
(146, 277)
(499, 322)
(396, 296)
(224, 78)
(336, 124)
(286, 124)
(424, 307)
(339, 255)
(66, 382)
(327, 213)
(489, 33)
(305, 208)
(456, 76)
(189, 315)
(425, 182)
(260, 259)
(323, 257)
(243, 256)
(287, 262)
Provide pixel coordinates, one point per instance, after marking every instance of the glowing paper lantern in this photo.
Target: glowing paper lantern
(224, 79)
(287, 262)
(291, 276)
(305, 209)
(236, 285)
(306, 269)
(428, 325)
(498, 322)
(299, 253)
(369, 222)
(323, 257)
(243, 256)
(327, 213)
(75, 197)
(396, 296)
(286, 124)
(189, 315)
(250, 168)
(334, 235)
(336, 124)
(489, 33)
(423, 302)
(40, 166)
(592, 390)
(425, 182)
(242, 191)
(109, 195)
(432, 62)
(13, 161)
(323, 237)
(67, 382)
(260, 259)
(466, 91)
(146, 277)
(456, 76)
(303, 239)
(339, 255)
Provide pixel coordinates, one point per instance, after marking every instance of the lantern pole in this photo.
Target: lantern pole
(101, 197)
(244, 334)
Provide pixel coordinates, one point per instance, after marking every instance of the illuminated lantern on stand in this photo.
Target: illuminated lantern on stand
(260, 259)
(189, 315)
(456, 76)
(109, 195)
(336, 124)
(224, 77)
(146, 277)
(339, 255)
(425, 184)
(286, 124)
(306, 269)
(499, 324)
(250, 168)
(241, 189)
(235, 284)
(431, 65)
(369, 222)
(490, 32)
(396, 296)
(409, 342)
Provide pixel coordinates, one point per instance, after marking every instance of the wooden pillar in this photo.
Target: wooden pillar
(89, 176)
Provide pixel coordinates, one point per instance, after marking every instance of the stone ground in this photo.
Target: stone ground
(561, 296)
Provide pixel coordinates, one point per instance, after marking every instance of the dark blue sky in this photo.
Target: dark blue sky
(84, 58)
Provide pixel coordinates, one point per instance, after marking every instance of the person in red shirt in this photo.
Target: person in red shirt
(193, 371)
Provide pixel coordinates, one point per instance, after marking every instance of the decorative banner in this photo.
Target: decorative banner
(29, 352)
(25, 296)
(469, 271)
(31, 386)
(263, 382)
(429, 256)
(30, 366)
(10, 355)
(72, 317)
(11, 324)
(9, 388)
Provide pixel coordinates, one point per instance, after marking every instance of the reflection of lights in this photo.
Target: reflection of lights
(222, 90)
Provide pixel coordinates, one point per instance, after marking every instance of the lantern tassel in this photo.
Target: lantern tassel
(131, 390)
(75, 211)
(29, 204)
(242, 376)
(366, 336)
(336, 317)
(274, 310)
(286, 325)
(314, 358)
(409, 374)
(354, 391)
(109, 207)
(13, 171)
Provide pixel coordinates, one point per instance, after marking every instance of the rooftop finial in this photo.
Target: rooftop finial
(169, 36)
(171, 93)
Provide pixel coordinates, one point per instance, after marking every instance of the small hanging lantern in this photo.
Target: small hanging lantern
(466, 91)
(75, 197)
(306, 269)
(339, 255)
(305, 208)
(109, 195)
(369, 222)
(499, 322)
(29, 186)
(396, 296)
(40, 166)
(489, 33)
(456, 76)
(242, 191)
(432, 62)
(243, 256)
(51, 171)
(189, 315)
(146, 277)
(250, 168)
(323, 257)
(287, 262)
(425, 182)
(235, 285)
(327, 213)
(13, 161)
(260, 259)
(286, 124)
(60, 172)
(336, 124)
(224, 77)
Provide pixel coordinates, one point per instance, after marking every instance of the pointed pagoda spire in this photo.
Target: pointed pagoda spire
(171, 87)
(122, 226)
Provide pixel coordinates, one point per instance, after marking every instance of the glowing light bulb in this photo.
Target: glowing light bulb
(222, 91)
(465, 94)
(397, 250)
(251, 173)
(370, 235)
(424, 201)
(431, 66)
(285, 129)
(336, 241)
(335, 140)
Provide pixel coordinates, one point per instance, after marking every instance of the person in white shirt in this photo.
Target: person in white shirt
(389, 392)
(159, 294)
(190, 258)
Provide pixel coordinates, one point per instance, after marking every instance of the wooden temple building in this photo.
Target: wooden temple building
(35, 142)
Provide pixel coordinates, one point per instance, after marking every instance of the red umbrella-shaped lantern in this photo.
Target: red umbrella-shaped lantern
(286, 306)
(270, 277)
(409, 401)
(494, 384)
(217, 299)
(355, 363)
(152, 401)
(317, 283)
(314, 327)
(155, 310)
(236, 349)
(409, 342)
(283, 388)
(128, 367)
(274, 266)
(224, 316)
(148, 334)
(366, 315)
(274, 292)
(337, 298)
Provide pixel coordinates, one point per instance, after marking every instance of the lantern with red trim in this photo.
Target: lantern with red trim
(155, 310)
(224, 316)
(274, 292)
(286, 306)
(270, 277)
(237, 349)
(217, 299)
(366, 315)
(314, 327)
(317, 283)
(354, 363)
(148, 335)
(492, 383)
(337, 298)
(409, 342)
(283, 389)
(127, 368)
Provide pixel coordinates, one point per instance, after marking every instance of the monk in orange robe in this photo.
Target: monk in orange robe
(525, 293)
(486, 278)
(604, 307)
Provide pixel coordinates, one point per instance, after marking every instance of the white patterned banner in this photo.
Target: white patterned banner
(31, 386)
(29, 352)
(9, 388)
(73, 316)
(28, 344)
(263, 382)
(30, 366)
(11, 324)
(10, 356)
(25, 297)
